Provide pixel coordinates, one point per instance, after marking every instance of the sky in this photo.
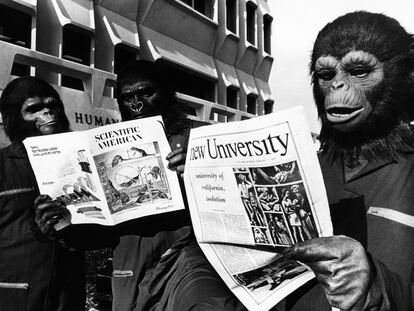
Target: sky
(295, 26)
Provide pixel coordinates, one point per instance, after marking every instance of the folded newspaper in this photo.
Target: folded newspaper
(254, 188)
(109, 174)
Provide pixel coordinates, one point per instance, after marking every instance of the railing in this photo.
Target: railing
(94, 80)
(204, 109)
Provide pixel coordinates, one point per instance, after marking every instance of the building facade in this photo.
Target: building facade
(217, 52)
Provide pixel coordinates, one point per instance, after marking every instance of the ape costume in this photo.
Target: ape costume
(36, 274)
(158, 265)
(363, 81)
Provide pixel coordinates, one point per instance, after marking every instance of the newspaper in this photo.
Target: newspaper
(107, 175)
(254, 188)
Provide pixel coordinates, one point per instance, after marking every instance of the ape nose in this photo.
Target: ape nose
(45, 110)
(336, 85)
(137, 106)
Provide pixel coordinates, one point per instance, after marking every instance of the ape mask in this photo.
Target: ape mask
(362, 71)
(143, 90)
(31, 107)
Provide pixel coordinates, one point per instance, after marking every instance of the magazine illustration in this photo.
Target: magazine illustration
(254, 188)
(109, 174)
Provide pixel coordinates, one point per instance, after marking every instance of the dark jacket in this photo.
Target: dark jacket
(158, 265)
(35, 273)
(166, 270)
(375, 205)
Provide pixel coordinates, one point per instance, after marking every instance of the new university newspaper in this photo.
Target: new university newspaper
(254, 187)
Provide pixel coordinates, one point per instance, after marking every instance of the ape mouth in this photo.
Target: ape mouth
(140, 115)
(48, 123)
(342, 114)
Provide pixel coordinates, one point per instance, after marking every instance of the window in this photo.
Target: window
(218, 117)
(204, 7)
(15, 28)
(190, 84)
(251, 22)
(76, 47)
(231, 15)
(267, 33)
(252, 104)
(122, 56)
(268, 106)
(232, 99)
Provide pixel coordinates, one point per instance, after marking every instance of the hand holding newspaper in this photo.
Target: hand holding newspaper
(254, 188)
(109, 174)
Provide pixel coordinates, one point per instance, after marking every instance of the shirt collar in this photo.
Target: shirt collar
(364, 167)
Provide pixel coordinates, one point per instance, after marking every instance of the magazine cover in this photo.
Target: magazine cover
(254, 188)
(109, 174)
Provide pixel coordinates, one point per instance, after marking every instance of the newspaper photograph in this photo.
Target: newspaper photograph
(109, 174)
(254, 188)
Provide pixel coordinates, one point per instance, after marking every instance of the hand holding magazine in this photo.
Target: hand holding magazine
(254, 188)
(109, 174)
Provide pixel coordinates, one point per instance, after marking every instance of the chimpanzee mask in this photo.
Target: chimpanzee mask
(31, 107)
(362, 72)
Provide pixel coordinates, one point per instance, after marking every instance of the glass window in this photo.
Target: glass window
(268, 107)
(231, 15)
(204, 7)
(122, 56)
(251, 22)
(18, 35)
(189, 83)
(232, 99)
(267, 33)
(252, 104)
(76, 47)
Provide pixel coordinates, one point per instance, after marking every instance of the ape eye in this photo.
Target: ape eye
(147, 91)
(34, 108)
(53, 103)
(128, 97)
(326, 75)
(359, 72)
